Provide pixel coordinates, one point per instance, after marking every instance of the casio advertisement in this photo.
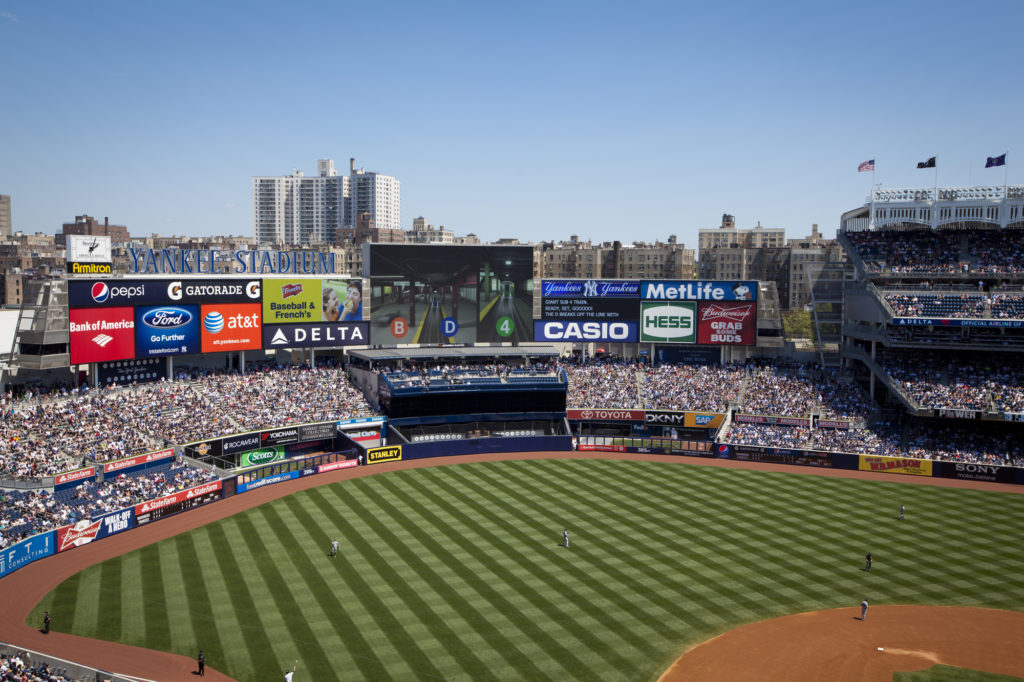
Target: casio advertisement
(584, 330)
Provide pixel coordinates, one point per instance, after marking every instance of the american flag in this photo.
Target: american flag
(866, 166)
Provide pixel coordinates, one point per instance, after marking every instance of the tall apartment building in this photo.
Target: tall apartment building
(5, 215)
(376, 194)
(614, 260)
(297, 210)
(324, 209)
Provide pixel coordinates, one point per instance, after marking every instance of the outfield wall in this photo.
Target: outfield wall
(98, 527)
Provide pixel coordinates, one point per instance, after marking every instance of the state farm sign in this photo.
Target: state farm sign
(606, 415)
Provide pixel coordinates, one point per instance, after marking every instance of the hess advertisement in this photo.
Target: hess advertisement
(101, 334)
(166, 330)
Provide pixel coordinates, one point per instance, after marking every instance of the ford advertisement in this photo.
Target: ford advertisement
(166, 330)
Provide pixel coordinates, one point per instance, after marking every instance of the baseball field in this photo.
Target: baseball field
(457, 571)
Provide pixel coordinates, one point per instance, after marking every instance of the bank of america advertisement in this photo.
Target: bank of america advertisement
(101, 334)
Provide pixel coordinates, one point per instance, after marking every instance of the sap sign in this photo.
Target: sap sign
(557, 330)
(668, 322)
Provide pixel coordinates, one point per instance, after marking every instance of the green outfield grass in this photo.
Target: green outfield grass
(456, 572)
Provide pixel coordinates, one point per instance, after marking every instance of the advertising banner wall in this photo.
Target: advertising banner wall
(834, 424)
(945, 322)
(99, 335)
(25, 552)
(70, 479)
(697, 290)
(668, 322)
(896, 465)
(391, 453)
(132, 371)
(283, 436)
(84, 293)
(151, 510)
(753, 453)
(347, 464)
(727, 323)
(130, 463)
(592, 299)
(268, 480)
(240, 443)
(231, 326)
(140, 292)
(323, 335)
(771, 419)
(977, 472)
(97, 528)
(321, 431)
(261, 456)
(598, 414)
(292, 300)
(166, 330)
(585, 330)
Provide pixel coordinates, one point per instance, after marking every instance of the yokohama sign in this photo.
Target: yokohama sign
(595, 414)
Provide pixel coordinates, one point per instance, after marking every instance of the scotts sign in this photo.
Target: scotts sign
(261, 456)
(595, 414)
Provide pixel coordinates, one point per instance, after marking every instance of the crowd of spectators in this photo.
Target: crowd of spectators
(955, 443)
(937, 380)
(25, 513)
(796, 390)
(703, 388)
(42, 437)
(607, 383)
(998, 251)
(767, 435)
(908, 251)
(18, 667)
(937, 305)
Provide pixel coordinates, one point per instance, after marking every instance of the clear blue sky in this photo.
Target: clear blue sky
(530, 120)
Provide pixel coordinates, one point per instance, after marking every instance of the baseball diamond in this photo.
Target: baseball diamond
(456, 571)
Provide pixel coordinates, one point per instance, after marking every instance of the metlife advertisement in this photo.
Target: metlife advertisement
(697, 290)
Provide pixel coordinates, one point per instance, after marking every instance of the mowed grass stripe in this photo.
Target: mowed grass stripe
(452, 653)
(247, 617)
(626, 568)
(489, 608)
(354, 643)
(292, 610)
(155, 623)
(390, 626)
(107, 617)
(195, 585)
(580, 596)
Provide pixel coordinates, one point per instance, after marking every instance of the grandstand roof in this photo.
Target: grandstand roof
(454, 352)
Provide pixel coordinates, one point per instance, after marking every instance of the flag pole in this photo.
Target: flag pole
(871, 220)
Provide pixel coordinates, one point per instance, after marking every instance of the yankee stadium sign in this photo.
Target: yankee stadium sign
(175, 261)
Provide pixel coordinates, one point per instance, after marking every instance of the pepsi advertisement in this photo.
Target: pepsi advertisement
(115, 292)
(166, 330)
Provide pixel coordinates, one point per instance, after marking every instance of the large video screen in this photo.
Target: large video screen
(436, 294)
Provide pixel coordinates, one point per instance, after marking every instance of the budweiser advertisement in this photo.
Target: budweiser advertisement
(101, 334)
(727, 323)
(597, 414)
(96, 528)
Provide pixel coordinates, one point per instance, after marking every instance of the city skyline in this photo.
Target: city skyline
(534, 121)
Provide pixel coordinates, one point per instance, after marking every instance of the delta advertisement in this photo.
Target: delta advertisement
(895, 465)
(166, 330)
(101, 335)
(96, 528)
(322, 335)
(25, 552)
